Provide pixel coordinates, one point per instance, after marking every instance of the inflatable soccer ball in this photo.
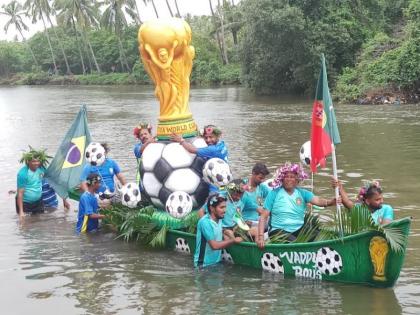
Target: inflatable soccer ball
(179, 204)
(95, 154)
(328, 261)
(168, 167)
(217, 172)
(305, 153)
(130, 195)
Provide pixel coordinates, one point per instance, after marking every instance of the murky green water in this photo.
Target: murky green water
(46, 269)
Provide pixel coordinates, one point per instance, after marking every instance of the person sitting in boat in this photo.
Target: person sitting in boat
(107, 170)
(286, 203)
(88, 216)
(370, 196)
(29, 182)
(143, 132)
(255, 193)
(209, 239)
(216, 148)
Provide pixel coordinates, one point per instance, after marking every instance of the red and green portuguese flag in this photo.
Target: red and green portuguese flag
(324, 131)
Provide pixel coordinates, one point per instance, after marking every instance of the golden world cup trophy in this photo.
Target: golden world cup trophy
(167, 56)
(378, 249)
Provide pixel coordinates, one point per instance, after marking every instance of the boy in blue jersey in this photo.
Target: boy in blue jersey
(209, 240)
(216, 148)
(370, 196)
(107, 170)
(88, 216)
(29, 182)
(286, 204)
(255, 194)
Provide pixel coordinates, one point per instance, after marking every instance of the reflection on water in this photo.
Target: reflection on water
(45, 267)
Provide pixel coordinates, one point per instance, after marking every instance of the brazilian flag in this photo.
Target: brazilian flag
(65, 169)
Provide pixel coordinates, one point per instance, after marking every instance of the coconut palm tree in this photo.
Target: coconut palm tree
(81, 15)
(133, 4)
(169, 8)
(114, 19)
(177, 9)
(153, 4)
(37, 10)
(14, 11)
(219, 35)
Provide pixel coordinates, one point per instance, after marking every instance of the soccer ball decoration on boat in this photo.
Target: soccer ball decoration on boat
(305, 153)
(167, 167)
(179, 204)
(130, 195)
(95, 154)
(217, 172)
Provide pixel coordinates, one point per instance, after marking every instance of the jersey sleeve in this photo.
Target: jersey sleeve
(269, 201)
(265, 190)
(388, 213)
(208, 231)
(22, 179)
(137, 150)
(116, 167)
(307, 195)
(208, 152)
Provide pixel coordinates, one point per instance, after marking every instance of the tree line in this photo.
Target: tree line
(271, 46)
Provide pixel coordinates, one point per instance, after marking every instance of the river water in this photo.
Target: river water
(45, 268)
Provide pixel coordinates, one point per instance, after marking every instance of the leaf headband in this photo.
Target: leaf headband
(141, 126)
(366, 185)
(288, 168)
(33, 154)
(211, 129)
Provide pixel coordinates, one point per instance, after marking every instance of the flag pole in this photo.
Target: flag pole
(335, 174)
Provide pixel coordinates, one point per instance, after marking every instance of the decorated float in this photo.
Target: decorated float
(350, 247)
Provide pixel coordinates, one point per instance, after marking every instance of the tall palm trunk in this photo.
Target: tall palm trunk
(138, 13)
(169, 8)
(223, 31)
(123, 57)
(223, 54)
(29, 47)
(49, 43)
(177, 9)
(92, 53)
(68, 71)
(78, 46)
(154, 8)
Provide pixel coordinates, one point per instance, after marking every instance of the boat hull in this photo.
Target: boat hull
(364, 258)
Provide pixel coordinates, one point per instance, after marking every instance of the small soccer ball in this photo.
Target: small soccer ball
(95, 154)
(328, 261)
(130, 195)
(182, 246)
(179, 204)
(305, 153)
(272, 263)
(217, 172)
(227, 257)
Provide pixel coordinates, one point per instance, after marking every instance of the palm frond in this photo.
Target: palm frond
(159, 239)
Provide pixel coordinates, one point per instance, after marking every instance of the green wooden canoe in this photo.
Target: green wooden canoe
(364, 258)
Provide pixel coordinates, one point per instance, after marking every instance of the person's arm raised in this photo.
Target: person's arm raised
(187, 146)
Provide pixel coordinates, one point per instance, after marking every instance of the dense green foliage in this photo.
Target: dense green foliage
(273, 46)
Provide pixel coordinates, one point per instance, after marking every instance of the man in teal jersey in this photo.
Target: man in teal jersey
(370, 197)
(286, 204)
(29, 182)
(255, 194)
(209, 239)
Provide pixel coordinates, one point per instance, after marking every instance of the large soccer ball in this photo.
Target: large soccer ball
(130, 195)
(179, 204)
(167, 167)
(305, 153)
(272, 263)
(95, 154)
(328, 261)
(217, 172)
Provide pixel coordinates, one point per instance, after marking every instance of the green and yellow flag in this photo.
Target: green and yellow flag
(65, 169)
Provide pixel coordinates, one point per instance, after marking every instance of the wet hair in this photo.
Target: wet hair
(214, 200)
(106, 147)
(93, 178)
(371, 191)
(260, 168)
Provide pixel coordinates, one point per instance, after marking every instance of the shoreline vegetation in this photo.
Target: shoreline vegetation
(268, 46)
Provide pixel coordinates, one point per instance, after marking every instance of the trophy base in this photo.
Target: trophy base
(379, 278)
(185, 127)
